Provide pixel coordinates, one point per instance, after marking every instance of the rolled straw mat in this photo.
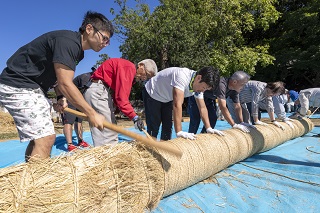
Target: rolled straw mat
(130, 177)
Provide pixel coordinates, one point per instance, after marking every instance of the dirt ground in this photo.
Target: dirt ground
(125, 123)
(8, 130)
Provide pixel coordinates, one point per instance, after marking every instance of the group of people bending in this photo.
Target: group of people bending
(50, 61)
(239, 99)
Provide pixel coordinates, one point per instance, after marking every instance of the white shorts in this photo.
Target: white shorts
(30, 110)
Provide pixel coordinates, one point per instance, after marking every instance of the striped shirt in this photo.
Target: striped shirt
(278, 103)
(255, 92)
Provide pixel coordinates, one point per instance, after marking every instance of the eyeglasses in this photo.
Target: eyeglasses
(104, 38)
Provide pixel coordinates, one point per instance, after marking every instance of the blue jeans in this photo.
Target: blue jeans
(156, 113)
(195, 114)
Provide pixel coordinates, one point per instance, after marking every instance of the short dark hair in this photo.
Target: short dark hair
(210, 76)
(93, 69)
(276, 87)
(97, 20)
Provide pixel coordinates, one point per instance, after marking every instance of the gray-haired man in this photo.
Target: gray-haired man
(111, 84)
(228, 88)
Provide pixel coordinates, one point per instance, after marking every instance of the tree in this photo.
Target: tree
(295, 43)
(103, 58)
(51, 95)
(197, 33)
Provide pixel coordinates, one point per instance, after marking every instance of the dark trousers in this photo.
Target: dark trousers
(195, 114)
(156, 113)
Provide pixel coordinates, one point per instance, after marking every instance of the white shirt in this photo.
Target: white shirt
(160, 86)
(309, 98)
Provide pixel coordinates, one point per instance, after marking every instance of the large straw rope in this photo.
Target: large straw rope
(128, 177)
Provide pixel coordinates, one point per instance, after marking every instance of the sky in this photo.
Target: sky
(22, 21)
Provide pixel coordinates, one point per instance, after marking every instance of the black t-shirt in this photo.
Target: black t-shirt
(222, 91)
(31, 66)
(81, 80)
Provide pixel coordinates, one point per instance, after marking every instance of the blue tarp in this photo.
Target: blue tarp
(284, 179)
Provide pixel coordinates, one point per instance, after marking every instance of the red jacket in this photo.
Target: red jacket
(118, 74)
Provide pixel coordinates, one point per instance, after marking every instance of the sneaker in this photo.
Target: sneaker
(72, 147)
(83, 144)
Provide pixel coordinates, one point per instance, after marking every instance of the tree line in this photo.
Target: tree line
(270, 39)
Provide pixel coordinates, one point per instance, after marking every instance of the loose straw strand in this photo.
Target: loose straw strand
(76, 185)
(285, 176)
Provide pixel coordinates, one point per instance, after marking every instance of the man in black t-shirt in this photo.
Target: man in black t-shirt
(35, 67)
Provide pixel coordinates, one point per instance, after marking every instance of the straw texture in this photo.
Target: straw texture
(130, 177)
(120, 179)
(209, 154)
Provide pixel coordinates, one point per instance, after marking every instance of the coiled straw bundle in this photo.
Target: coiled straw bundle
(129, 177)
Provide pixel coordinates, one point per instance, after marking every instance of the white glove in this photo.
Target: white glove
(242, 127)
(289, 122)
(308, 113)
(261, 123)
(277, 124)
(186, 135)
(248, 125)
(215, 131)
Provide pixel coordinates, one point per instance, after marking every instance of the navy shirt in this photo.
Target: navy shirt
(31, 66)
(81, 80)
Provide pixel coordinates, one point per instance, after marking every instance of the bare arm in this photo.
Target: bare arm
(271, 115)
(270, 108)
(238, 110)
(225, 112)
(67, 88)
(203, 112)
(178, 98)
(255, 118)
